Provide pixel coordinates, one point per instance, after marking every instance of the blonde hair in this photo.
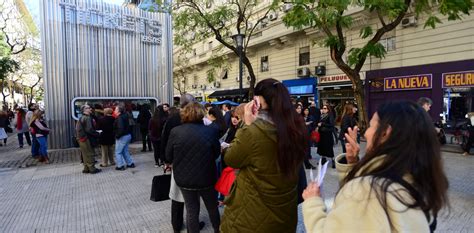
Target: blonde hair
(108, 111)
(192, 113)
(36, 115)
(240, 110)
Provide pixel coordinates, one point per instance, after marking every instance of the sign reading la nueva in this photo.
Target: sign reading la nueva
(411, 82)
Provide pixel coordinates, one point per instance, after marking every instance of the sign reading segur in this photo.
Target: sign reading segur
(412, 82)
(458, 79)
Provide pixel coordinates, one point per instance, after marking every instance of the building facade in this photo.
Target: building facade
(102, 55)
(286, 54)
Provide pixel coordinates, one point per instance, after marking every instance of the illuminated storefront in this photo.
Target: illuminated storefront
(450, 85)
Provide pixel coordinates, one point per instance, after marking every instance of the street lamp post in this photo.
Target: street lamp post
(239, 41)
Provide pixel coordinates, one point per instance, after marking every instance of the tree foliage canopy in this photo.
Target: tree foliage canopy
(330, 16)
(333, 18)
(197, 21)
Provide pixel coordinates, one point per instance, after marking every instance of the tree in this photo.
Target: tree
(30, 92)
(180, 78)
(330, 18)
(15, 39)
(200, 20)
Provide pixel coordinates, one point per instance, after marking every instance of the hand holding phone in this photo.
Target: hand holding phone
(256, 105)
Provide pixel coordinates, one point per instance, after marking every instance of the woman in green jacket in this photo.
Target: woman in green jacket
(269, 151)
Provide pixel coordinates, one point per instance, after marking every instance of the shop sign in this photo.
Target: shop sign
(334, 79)
(458, 79)
(411, 82)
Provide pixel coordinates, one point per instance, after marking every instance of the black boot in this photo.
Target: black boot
(323, 160)
(333, 163)
(308, 165)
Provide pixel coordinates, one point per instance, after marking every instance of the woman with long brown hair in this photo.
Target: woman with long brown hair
(398, 186)
(269, 152)
(348, 121)
(41, 131)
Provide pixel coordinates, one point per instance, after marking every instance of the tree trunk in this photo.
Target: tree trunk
(359, 94)
(246, 62)
(30, 98)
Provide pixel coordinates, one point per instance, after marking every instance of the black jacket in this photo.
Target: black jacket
(143, 119)
(122, 126)
(193, 149)
(227, 119)
(173, 121)
(106, 124)
(346, 122)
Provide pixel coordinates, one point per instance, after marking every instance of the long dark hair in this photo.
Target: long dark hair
(291, 129)
(159, 116)
(411, 149)
(217, 113)
(348, 110)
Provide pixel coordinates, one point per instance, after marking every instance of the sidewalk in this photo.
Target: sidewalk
(11, 156)
(57, 197)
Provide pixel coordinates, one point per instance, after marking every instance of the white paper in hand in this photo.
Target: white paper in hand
(321, 172)
(224, 145)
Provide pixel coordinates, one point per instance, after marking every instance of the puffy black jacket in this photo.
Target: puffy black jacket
(122, 126)
(173, 121)
(193, 149)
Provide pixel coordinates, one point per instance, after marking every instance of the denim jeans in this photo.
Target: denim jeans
(35, 146)
(20, 138)
(343, 144)
(121, 151)
(43, 146)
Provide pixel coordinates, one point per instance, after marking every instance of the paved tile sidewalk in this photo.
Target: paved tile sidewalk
(59, 198)
(11, 156)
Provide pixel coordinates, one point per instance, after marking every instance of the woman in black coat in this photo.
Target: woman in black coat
(193, 148)
(326, 129)
(144, 119)
(310, 125)
(348, 121)
(107, 137)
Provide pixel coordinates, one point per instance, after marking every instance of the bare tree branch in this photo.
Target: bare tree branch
(381, 18)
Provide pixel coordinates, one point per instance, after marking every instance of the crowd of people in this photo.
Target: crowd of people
(398, 185)
(400, 179)
(29, 125)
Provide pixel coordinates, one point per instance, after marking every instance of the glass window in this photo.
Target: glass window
(264, 64)
(210, 45)
(299, 90)
(388, 43)
(304, 56)
(132, 104)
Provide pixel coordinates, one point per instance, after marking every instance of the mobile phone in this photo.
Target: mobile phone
(256, 105)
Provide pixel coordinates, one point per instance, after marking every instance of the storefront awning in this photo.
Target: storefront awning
(229, 93)
(301, 86)
(299, 82)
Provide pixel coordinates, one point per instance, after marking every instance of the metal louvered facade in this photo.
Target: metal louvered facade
(94, 49)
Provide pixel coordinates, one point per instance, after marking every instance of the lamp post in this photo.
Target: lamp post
(239, 41)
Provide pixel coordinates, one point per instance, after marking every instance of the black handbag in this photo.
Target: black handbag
(8, 129)
(160, 187)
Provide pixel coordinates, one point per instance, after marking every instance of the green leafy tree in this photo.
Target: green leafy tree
(181, 75)
(331, 18)
(196, 21)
